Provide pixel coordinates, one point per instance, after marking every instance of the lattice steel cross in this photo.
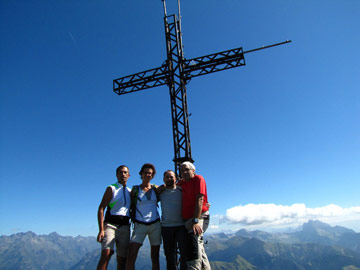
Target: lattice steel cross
(176, 72)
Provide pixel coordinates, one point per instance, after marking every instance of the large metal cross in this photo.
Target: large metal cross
(176, 72)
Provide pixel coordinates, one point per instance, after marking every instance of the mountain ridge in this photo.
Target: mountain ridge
(317, 246)
(313, 231)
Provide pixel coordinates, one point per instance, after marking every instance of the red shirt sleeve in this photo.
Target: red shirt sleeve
(200, 188)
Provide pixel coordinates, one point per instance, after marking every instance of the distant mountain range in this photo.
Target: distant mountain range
(28, 251)
(313, 231)
(318, 246)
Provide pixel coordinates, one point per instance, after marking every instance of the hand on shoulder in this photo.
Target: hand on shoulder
(160, 189)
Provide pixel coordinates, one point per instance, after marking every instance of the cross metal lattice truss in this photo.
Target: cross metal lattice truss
(176, 72)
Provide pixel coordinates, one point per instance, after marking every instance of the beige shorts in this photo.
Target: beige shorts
(153, 231)
(119, 236)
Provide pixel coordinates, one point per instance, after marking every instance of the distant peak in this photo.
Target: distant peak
(29, 233)
(316, 224)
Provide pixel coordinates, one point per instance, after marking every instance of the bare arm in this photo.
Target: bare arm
(100, 215)
(197, 213)
(160, 189)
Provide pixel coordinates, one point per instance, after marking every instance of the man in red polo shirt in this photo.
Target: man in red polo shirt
(194, 211)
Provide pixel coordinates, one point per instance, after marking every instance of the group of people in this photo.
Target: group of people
(184, 219)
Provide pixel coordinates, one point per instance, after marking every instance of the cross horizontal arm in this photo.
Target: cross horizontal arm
(213, 63)
(140, 81)
(268, 46)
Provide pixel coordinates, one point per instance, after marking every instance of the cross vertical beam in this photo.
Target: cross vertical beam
(177, 90)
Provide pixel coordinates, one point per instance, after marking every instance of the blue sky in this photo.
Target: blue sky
(277, 140)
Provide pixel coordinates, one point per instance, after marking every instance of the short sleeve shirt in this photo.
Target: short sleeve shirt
(190, 190)
(171, 200)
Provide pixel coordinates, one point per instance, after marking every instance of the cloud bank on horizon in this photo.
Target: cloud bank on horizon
(277, 215)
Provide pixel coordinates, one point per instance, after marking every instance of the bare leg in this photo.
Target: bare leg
(104, 259)
(133, 252)
(155, 250)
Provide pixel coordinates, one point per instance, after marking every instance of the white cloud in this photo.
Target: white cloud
(272, 214)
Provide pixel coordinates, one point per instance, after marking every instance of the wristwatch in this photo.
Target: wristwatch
(195, 220)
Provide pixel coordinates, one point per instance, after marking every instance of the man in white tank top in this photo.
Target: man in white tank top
(115, 227)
